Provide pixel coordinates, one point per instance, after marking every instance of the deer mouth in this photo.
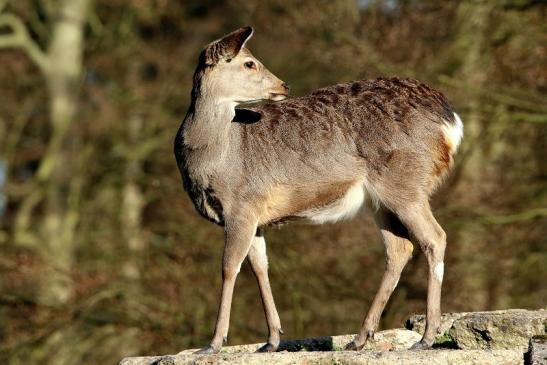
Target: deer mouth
(278, 96)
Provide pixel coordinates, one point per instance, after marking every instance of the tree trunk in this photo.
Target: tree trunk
(472, 42)
(132, 205)
(55, 174)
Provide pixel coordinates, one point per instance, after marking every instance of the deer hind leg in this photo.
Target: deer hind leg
(259, 264)
(431, 238)
(239, 234)
(398, 251)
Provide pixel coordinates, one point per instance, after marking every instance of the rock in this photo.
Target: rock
(394, 339)
(406, 357)
(537, 354)
(417, 322)
(499, 337)
(504, 329)
(498, 330)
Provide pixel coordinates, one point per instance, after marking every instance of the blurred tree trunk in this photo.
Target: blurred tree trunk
(132, 206)
(56, 186)
(131, 222)
(63, 79)
(473, 43)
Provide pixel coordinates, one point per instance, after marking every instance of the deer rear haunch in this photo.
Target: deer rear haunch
(385, 143)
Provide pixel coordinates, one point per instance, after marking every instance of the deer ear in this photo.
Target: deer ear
(227, 47)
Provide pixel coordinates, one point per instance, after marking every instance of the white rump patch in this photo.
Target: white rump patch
(439, 271)
(454, 133)
(345, 207)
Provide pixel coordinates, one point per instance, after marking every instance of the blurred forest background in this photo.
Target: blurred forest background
(102, 254)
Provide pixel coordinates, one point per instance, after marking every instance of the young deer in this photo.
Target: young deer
(386, 142)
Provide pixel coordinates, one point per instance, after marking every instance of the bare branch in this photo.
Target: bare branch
(20, 38)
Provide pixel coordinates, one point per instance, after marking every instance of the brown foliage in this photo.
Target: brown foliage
(144, 272)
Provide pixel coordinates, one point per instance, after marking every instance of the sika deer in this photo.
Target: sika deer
(386, 142)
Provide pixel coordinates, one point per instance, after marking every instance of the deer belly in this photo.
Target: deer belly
(345, 207)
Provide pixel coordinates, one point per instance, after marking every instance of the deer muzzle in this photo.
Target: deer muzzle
(280, 93)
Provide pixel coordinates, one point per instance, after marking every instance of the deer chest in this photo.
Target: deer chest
(206, 202)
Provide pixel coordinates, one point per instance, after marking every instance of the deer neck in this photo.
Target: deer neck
(206, 135)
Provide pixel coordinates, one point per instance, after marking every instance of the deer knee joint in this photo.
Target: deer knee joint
(230, 271)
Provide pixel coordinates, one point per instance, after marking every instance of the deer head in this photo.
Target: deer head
(228, 72)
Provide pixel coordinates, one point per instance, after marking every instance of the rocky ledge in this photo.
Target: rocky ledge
(506, 337)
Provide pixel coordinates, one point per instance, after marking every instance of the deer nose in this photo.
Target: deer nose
(286, 87)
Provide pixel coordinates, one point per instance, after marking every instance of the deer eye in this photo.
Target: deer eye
(250, 65)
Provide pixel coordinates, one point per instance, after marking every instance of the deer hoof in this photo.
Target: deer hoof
(352, 346)
(267, 348)
(207, 350)
(421, 345)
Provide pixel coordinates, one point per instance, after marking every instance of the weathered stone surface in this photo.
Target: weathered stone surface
(504, 329)
(500, 337)
(417, 322)
(406, 357)
(537, 354)
(498, 330)
(389, 340)
(394, 339)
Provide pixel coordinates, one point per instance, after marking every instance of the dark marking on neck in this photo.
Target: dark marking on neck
(246, 116)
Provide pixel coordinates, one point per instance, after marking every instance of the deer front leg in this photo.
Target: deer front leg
(239, 233)
(259, 263)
